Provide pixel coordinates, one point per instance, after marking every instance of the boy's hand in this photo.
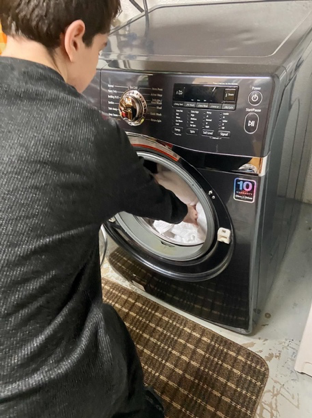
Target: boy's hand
(192, 215)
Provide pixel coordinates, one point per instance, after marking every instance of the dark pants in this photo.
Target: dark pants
(138, 401)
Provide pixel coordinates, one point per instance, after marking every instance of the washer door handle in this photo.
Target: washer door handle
(224, 235)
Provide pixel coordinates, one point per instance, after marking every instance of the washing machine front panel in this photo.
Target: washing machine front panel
(217, 286)
(222, 115)
(199, 262)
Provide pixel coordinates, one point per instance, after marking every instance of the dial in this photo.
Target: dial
(132, 107)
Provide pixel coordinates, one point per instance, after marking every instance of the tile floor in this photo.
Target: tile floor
(288, 394)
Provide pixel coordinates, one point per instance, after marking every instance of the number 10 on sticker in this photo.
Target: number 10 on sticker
(244, 190)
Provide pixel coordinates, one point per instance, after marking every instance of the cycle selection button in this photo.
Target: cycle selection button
(191, 131)
(224, 134)
(208, 132)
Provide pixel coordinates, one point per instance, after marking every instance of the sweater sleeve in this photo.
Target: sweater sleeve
(127, 184)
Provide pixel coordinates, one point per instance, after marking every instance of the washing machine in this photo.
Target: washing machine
(219, 96)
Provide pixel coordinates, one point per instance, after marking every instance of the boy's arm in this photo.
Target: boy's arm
(131, 187)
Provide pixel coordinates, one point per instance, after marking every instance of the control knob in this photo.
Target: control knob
(132, 107)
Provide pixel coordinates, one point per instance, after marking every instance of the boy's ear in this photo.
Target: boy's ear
(73, 41)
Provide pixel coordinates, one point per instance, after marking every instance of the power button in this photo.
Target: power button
(255, 98)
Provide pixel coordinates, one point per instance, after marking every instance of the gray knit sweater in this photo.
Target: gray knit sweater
(63, 172)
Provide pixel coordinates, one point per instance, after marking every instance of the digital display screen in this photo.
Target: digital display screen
(204, 94)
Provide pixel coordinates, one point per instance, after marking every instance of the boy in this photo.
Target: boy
(64, 171)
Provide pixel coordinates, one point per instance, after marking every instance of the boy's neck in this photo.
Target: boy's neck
(22, 48)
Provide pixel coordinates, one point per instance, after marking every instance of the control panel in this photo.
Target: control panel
(226, 115)
(194, 107)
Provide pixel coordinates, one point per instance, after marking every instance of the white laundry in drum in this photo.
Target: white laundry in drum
(182, 233)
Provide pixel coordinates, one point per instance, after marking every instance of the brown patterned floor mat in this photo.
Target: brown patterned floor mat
(198, 373)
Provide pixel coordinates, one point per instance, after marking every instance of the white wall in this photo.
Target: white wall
(129, 11)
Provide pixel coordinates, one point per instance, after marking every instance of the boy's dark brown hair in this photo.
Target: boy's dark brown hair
(44, 21)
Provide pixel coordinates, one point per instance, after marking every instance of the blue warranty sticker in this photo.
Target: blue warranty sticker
(244, 190)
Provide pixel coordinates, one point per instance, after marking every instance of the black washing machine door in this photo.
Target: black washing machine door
(199, 260)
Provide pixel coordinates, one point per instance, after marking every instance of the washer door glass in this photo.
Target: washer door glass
(173, 242)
